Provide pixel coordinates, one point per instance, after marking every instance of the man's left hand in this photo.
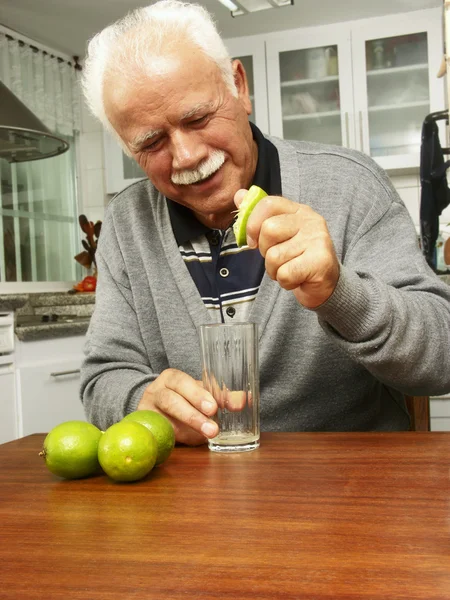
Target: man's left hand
(297, 247)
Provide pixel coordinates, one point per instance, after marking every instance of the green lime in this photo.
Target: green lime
(70, 449)
(161, 428)
(251, 199)
(127, 451)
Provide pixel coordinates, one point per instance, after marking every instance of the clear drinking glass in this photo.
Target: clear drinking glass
(231, 374)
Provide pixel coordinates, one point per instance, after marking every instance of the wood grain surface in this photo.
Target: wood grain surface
(306, 516)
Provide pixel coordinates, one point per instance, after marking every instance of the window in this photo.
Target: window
(39, 219)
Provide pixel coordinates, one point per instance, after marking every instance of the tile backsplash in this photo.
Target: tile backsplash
(92, 181)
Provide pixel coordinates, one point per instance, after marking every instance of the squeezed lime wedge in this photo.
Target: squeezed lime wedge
(251, 199)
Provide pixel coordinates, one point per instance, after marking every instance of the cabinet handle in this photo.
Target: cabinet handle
(63, 373)
(361, 135)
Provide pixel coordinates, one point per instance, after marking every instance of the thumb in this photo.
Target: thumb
(239, 196)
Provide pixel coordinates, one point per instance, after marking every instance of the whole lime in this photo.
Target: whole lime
(161, 428)
(70, 449)
(127, 451)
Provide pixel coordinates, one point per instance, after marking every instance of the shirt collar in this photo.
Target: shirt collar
(267, 176)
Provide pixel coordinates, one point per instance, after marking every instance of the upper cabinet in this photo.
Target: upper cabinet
(309, 85)
(395, 65)
(365, 84)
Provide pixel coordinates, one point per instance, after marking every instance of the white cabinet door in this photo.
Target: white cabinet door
(48, 394)
(395, 62)
(121, 170)
(310, 85)
(251, 52)
(8, 425)
(440, 413)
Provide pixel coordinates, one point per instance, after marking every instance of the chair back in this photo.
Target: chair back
(419, 410)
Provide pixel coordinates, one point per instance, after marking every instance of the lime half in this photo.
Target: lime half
(251, 199)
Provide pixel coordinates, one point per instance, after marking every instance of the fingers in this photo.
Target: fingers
(236, 401)
(233, 401)
(190, 389)
(239, 196)
(275, 233)
(263, 221)
(185, 435)
(185, 402)
(180, 408)
(297, 247)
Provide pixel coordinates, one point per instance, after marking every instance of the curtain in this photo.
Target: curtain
(39, 234)
(48, 86)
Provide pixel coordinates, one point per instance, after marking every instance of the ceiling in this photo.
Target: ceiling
(66, 25)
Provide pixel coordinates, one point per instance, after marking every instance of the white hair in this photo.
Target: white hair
(137, 43)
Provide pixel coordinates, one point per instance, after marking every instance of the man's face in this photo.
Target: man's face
(188, 133)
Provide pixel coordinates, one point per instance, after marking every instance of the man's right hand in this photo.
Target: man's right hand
(185, 402)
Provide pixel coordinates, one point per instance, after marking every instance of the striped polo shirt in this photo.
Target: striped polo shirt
(227, 277)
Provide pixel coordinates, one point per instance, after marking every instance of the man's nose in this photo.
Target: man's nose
(188, 151)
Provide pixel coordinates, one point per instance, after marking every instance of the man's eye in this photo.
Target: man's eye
(152, 146)
(199, 120)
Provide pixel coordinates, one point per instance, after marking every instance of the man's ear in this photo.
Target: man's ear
(240, 80)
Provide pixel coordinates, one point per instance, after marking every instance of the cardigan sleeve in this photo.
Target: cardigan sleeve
(389, 311)
(116, 369)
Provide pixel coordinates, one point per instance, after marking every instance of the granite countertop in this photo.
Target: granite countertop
(73, 312)
(47, 299)
(44, 331)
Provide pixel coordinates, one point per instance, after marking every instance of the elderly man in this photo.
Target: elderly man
(351, 317)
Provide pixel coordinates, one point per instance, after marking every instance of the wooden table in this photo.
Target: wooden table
(307, 515)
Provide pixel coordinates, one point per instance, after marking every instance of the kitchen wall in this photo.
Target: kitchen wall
(93, 196)
(92, 181)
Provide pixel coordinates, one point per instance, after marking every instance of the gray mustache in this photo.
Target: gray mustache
(203, 171)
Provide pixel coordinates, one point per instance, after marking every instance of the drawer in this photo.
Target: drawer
(440, 407)
(439, 424)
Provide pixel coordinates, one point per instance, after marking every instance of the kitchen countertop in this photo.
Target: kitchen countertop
(13, 301)
(29, 332)
(45, 299)
(73, 310)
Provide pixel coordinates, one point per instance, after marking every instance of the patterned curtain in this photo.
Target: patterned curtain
(48, 86)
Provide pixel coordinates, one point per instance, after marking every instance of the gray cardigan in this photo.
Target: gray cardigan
(344, 366)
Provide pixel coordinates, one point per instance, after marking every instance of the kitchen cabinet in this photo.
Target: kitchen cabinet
(395, 63)
(48, 381)
(310, 86)
(440, 413)
(365, 84)
(8, 421)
